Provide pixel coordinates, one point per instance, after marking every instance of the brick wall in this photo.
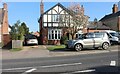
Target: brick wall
(6, 41)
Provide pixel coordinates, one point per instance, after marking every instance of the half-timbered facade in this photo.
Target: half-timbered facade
(53, 24)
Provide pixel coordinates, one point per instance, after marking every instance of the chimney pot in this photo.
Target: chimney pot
(115, 8)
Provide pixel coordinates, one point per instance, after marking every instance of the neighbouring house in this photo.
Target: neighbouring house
(4, 26)
(51, 28)
(37, 34)
(99, 26)
(112, 20)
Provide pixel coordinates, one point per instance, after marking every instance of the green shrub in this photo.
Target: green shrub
(57, 47)
(64, 39)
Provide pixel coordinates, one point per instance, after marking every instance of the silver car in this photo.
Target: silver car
(90, 40)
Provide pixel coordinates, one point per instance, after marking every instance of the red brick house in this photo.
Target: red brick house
(4, 27)
(51, 28)
(112, 20)
(99, 26)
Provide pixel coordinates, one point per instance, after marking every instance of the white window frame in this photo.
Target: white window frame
(56, 18)
(58, 32)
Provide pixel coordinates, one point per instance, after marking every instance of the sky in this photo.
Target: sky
(29, 12)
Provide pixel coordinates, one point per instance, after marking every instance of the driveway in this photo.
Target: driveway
(41, 51)
(27, 52)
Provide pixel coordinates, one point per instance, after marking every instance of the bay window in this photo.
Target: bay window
(54, 34)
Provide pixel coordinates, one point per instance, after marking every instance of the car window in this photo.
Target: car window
(109, 35)
(86, 36)
(99, 35)
(90, 35)
(113, 34)
(82, 36)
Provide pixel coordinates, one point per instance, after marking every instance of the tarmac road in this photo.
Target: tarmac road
(101, 62)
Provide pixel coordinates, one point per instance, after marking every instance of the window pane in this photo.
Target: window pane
(90, 35)
(52, 34)
(59, 34)
(49, 36)
(98, 35)
(55, 18)
(49, 18)
(55, 34)
(55, 24)
(45, 24)
(49, 24)
(45, 18)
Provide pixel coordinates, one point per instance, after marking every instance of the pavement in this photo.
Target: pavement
(41, 51)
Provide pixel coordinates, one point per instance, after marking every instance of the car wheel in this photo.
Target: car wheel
(105, 45)
(78, 47)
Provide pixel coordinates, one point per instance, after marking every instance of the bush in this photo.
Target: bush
(64, 39)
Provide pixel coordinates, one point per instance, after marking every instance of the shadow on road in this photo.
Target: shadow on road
(72, 50)
(63, 50)
(107, 70)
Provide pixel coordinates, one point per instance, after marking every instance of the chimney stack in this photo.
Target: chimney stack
(115, 8)
(5, 6)
(5, 20)
(41, 7)
(82, 9)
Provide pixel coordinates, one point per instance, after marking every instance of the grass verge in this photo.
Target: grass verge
(56, 47)
(16, 49)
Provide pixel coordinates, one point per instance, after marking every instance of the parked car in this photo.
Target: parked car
(90, 40)
(113, 36)
(30, 39)
(118, 35)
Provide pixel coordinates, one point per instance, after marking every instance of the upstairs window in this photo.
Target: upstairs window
(55, 18)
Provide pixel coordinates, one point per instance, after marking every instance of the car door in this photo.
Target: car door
(88, 40)
(98, 39)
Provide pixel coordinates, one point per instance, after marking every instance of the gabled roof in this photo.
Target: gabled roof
(110, 16)
(98, 26)
(58, 4)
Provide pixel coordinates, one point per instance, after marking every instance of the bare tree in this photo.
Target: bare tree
(77, 20)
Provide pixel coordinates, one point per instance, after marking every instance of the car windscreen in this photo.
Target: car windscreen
(113, 34)
(82, 36)
(30, 37)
